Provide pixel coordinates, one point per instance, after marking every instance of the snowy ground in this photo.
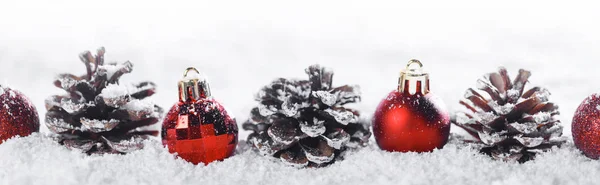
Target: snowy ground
(243, 45)
(37, 160)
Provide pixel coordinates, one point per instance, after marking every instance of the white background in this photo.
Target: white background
(243, 45)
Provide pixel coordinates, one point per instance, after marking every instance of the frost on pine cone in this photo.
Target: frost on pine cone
(304, 122)
(98, 115)
(510, 123)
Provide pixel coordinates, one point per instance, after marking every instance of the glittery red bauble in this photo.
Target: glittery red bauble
(200, 132)
(17, 115)
(586, 127)
(411, 123)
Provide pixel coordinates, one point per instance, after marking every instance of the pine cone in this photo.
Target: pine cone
(305, 123)
(512, 125)
(98, 115)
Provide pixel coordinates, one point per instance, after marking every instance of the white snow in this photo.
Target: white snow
(513, 94)
(525, 128)
(326, 97)
(110, 70)
(485, 117)
(114, 91)
(96, 126)
(314, 130)
(39, 160)
(58, 125)
(140, 108)
(490, 139)
(319, 159)
(337, 143)
(289, 109)
(126, 146)
(139, 105)
(530, 141)
(342, 116)
(244, 45)
(543, 94)
(265, 110)
(67, 82)
(70, 106)
(115, 95)
(502, 109)
(541, 117)
(276, 136)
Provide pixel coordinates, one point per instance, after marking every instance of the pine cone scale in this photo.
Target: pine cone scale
(317, 150)
(498, 81)
(297, 159)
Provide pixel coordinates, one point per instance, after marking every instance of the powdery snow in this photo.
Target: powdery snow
(110, 70)
(114, 91)
(326, 97)
(343, 116)
(141, 108)
(244, 47)
(96, 126)
(314, 130)
(40, 160)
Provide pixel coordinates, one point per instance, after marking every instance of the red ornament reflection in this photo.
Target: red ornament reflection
(410, 123)
(18, 117)
(586, 127)
(198, 128)
(411, 118)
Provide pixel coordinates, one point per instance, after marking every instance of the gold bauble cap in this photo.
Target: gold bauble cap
(193, 86)
(413, 80)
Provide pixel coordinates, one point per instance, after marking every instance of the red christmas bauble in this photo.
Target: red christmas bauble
(198, 128)
(411, 119)
(17, 115)
(586, 127)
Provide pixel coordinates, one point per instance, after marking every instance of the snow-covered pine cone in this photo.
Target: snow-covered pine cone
(98, 115)
(512, 125)
(305, 123)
